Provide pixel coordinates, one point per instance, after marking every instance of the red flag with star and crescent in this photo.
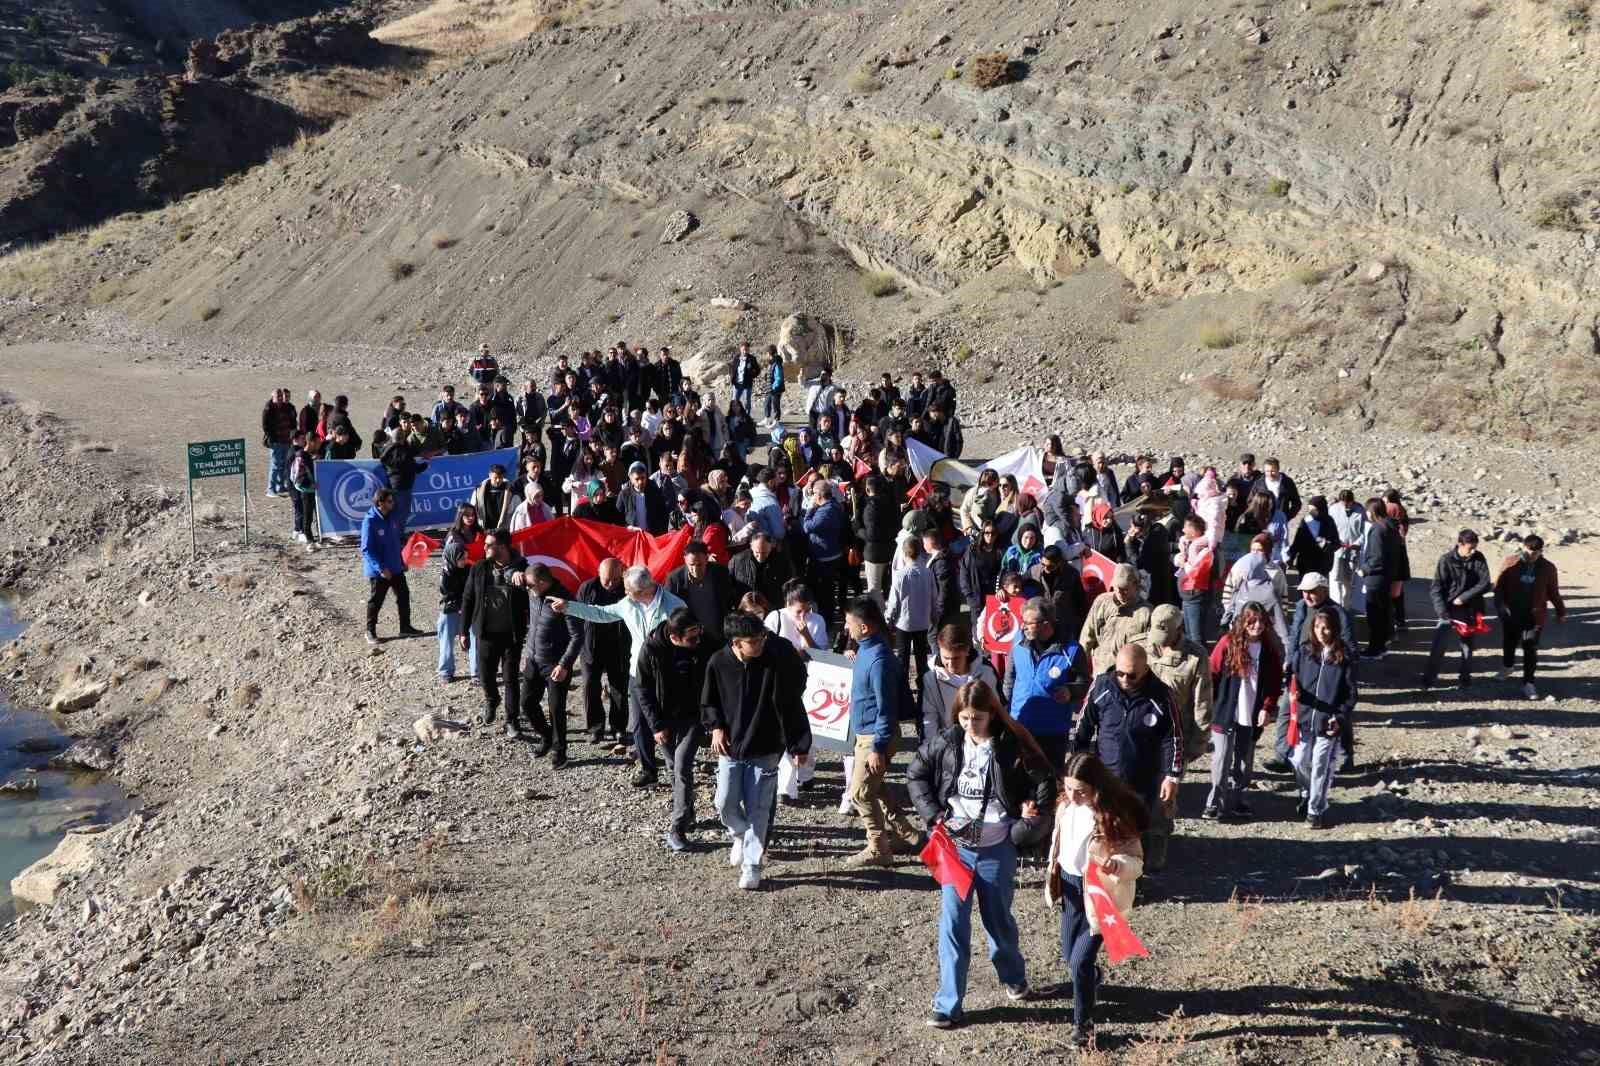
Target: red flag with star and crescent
(1120, 941)
(573, 548)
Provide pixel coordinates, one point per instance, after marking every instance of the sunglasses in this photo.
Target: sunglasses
(1128, 675)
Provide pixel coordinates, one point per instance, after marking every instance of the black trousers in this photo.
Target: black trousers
(379, 589)
(500, 655)
(911, 648)
(1443, 633)
(307, 503)
(827, 585)
(552, 720)
(1511, 630)
(1380, 623)
(613, 669)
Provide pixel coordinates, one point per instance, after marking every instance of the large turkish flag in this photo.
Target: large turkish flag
(573, 548)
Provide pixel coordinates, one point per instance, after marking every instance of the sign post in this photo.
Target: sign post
(217, 458)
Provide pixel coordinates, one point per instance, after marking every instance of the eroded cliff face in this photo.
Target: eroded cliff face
(1412, 183)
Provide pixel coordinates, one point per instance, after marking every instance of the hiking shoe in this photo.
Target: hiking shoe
(1211, 814)
(488, 714)
(736, 852)
(1242, 810)
(1018, 993)
(642, 778)
(675, 841)
(408, 631)
(750, 878)
(620, 748)
(559, 759)
(941, 1020)
(869, 857)
(512, 731)
(1083, 1036)
(372, 638)
(1529, 692)
(541, 745)
(1276, 766)
(1316, 821)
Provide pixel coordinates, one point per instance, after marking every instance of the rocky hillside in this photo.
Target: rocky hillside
(1334, 210)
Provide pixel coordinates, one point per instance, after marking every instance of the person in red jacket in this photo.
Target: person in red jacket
(1247, 678)
(1198, 580)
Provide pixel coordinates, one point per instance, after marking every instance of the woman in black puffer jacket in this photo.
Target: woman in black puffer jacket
(986, 780)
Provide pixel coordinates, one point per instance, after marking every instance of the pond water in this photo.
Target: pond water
(30, 828)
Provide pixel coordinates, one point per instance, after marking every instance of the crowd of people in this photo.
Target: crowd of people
(1065, 735)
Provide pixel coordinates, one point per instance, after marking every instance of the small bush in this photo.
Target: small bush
(733, 234)
(962, 353)
(990, 69)
(934, 133)
(442, 241)
(1215, 333)
(862, 82)
(1524, 85)
(1277, 187)
(882, 283)
(400, 269)
(1556, 212)
(952, 73)
(1225, 388)
(206, 312)
(1307, 275)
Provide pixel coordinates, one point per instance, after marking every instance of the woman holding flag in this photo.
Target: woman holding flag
(1095, 862)
(980, 784)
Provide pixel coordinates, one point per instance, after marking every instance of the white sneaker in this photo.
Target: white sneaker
(750, 878)
(1529, 692)
(302, 538)
(845, 806)
(736, 853)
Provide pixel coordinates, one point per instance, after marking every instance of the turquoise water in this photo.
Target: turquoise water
(31, 828)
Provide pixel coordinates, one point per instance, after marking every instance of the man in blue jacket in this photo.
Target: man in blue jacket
(877, 695)
(381, 541)
(826, 525)
(1044, 681)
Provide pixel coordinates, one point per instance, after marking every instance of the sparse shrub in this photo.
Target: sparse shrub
(1225, 388)
(1307, 275)
(1277, 187)
(882, 283)
(1524, 85)
(635, 233)
(1577, 15)
(206, 312)
(962, 353)
(442, 240)
(614, 317)
(1215, 333)
(952, 73)
(1479, 11)
(400, 269)
(1331, 7)
(184, 233)
(246, 696)
(732, 234)
(34, 26)
(990, 69)
(934, 133)
(862, 82)
(1556, 212)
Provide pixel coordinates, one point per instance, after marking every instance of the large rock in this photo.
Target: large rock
(679, 223)
(431, 728)
(707, 370)
(87, 754)
(808, 346)
(40, 882)
(26, 786)
(77, 694)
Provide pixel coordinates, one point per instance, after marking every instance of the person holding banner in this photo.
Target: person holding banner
(982, 777)
(1099, 820)
(1460, 583)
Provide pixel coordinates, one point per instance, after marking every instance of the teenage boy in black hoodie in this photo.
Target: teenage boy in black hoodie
(672, 674)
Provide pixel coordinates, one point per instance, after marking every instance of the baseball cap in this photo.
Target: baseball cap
(1313, 581)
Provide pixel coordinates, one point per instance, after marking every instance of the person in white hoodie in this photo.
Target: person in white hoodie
(913, 604)
(1098, 820)
(1344, 584)
(531, 511)
(800, 624)
(952, 664)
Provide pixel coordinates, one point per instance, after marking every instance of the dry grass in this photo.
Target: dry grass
(990, 70)
(400, 269)
(862, 82)
(881, 283)
(1307, 275)
(1224, 387)
(1557, 212)
(206, 312)
(729, 318)
(1414, 917)
(1524, 85)
(456, 28)
(158, 688)
(246, 696)
(1216, 333)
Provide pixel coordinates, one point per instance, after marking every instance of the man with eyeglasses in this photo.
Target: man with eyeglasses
(1131, 722)
(1044, 681)
(1528, 584)
(753, 706)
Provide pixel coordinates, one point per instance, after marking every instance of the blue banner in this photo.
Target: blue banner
(345, 488)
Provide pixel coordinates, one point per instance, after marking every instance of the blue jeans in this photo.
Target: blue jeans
(994, 878)
(1079, 946)
(747, 790)
(1194, 617)
(278, 469)
(449, 627)
(743, 395)
(774, 406)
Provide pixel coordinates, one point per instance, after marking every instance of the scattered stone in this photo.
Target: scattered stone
(1501, 732)
(679, 223)
(86, 754)
(38, 745)
(40, 882)
(26, 786)
(430, 728)
(1474, 735)
(78, 694)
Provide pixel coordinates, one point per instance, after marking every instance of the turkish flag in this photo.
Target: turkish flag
(1097, 573)
(917, 495)
(1120, 941)
(1472, 628)
(861, 469)
(417, 549)
(942, 859)
(998, 626)
(573, 548)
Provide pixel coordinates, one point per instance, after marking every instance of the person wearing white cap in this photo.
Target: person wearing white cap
(1314, 594)
(485, 368)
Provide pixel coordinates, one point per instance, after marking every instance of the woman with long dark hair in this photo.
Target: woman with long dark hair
(1246, 679)
(1322, 700)
(985, 777)
(1099, 820)
(464, 534)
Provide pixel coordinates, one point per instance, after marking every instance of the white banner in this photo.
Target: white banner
(1026, 464)
(827, 701)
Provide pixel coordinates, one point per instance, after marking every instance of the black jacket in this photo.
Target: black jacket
(877, 526)
(760, 704)
(745, 371)
(671, 680)
(766, 577)
(1312, 553)
(946, 577)
(1288, 495)
(604, 511)
(1065, 593)
(475, 601)
(1382, 555)
(655, 506)
(602, 642)
(980, 572)
(400, 462)
(1326, 690)
(553, 639)
(1022, 776)
(1455, 577)
(1108, 541)
(1155, 559)
(709, 600)
(453, 574)
(1136, 734)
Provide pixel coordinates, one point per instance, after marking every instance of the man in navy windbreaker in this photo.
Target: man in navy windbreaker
(382, 533)
(1044, 680)
(1130, 720)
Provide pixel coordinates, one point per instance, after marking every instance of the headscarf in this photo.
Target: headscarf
(1100, 515)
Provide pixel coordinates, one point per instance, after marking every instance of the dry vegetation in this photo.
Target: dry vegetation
(456, 28)
(990, 69)
(1216, 333)
(881, 283)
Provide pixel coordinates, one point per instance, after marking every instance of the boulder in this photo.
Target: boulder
(26, 786)
(707, 370)
(40, 882)
(77, 694)
(430, 728)
(87, 754)
(678, 226)
(807, 344)
(38, 745)
(38, 117)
